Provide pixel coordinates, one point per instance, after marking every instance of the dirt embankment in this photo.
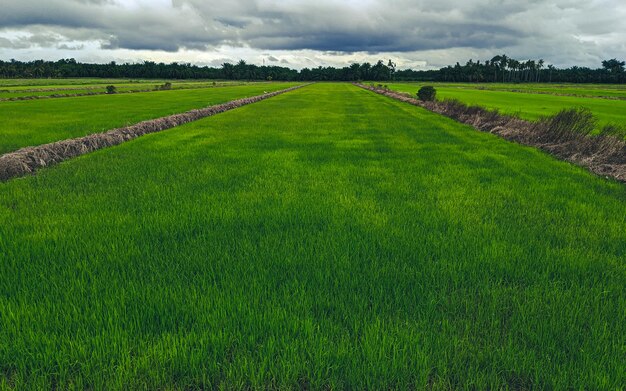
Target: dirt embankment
(30, 159)
(565, 135)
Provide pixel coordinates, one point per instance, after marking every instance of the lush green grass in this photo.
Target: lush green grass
(329, 237)
(36, 122)
(589, 90)
(528, 106)
(32, 83)
(593, 90)
(43, 91)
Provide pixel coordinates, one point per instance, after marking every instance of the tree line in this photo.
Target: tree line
(503, 69)
(500, 68)
(67, 68)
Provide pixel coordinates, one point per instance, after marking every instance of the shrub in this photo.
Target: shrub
(163, 87)
(111, 89)
(427, 93)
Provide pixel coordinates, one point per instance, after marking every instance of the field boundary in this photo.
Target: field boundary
(604, 155)
(28, 160)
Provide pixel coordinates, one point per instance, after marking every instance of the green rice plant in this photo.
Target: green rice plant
(329, 238)
(35, 122)
(525, 105)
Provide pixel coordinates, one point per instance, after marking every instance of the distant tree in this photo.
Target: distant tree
(228, 71)
(540, 64)
(614, 65)
(364, 70)
(354, 72)
(241, 70)
(551, 68)
(496, 63)
(392, 68)
(111, 89)
(499, 68)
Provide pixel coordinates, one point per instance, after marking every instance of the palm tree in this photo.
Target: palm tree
(551, 68)
(240, 70)
(227, 70)
(392, 68)
(512, 65)
(504, 62)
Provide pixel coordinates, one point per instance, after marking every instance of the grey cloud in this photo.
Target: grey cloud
(13, 44)
(68, 47)
(218, 62)
(580, 30)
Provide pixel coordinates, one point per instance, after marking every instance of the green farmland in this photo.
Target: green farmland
(29, 91)
(608, 91)
(77, 82)
(327, 238)
(35, 122)
(528, 106)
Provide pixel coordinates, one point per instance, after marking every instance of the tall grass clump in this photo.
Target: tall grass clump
(567, 124)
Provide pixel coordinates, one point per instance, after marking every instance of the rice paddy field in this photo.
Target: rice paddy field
(326, 238)
(26, 123)
(609, 91)
(43, 91)
(78, 82)
(524, 101)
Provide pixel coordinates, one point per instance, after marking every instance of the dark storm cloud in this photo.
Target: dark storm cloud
(532, 27)
(462, 35)
(112, 24)
(265, 25)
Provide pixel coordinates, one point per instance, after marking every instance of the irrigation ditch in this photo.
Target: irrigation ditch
(28, 160)
(566, 135)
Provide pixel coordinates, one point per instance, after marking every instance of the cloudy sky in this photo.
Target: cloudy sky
(419, 34)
